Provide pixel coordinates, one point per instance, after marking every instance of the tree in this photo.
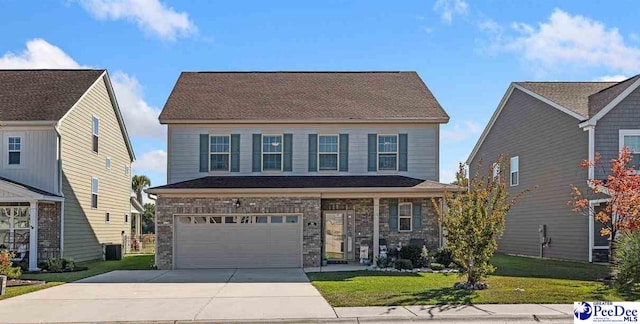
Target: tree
(620, 191)
(461, 176)
(475, 219)
(138, 184)
(148, 219)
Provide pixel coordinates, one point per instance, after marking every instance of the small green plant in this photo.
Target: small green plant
(452, 265)
(403, 264)
(54, 265)
(437, 266)
(412, 253)
(6, 265)
(443, 256)
(425, 259)
(627, 265)
(382, 261)
(14, 272)
(68, 264)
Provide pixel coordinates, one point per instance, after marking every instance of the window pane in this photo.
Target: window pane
(328, 161)
(95, 143)
(272, 144)
(388, 143)
(405, 224)
(96, 126)
(514, 178)
(387, 162)
(94, 186)
(632, 142)
(635, 161)
(261, 219)
(229, 220)
(405, 209)
(514, 165)
(219, 162)
(272, 162)
(94, 200)
(219, 144)
(245, 219)
(14, 157)
(107, 217)
(215, 220)
(199, 220)
(328, 144)
(185, 220)
(14, 143)
(292, 219)
(276, 219)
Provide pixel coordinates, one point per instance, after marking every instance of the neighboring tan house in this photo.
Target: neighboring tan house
(65, 175)
(278, 169)
(547, 129)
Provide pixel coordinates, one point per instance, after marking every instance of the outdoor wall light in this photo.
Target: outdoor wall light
(236, 203)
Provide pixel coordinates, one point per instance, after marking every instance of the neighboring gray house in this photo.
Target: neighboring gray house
(547, 129)
(278, 169)
(65, 165)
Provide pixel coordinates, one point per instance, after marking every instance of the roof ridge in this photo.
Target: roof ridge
(616, 84)
(592, 82)
(302, 72)
(40, 70)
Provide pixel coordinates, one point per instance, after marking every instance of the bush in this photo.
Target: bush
(54, 265)
(437, 266)
(627, 257)
(425, 259)
(6, 266)
(412, 253)
(382, 262)
(68, 264)
(403, 264)
(444, 256)
(13, 272)
(452, 265)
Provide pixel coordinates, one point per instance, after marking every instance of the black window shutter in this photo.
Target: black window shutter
(393, 215)
(287, 162)
(313, 152)
(257, 153)
(416, 216)
(402, 159)
(344, 152)
(373, 153)
(204, 152)
(235, 152)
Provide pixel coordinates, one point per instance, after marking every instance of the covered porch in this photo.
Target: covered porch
(30, 223)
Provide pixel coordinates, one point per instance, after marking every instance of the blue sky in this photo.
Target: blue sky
(467, 52)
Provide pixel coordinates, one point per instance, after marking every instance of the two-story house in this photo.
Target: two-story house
(281, 169)
(65, 165)
(547, 129)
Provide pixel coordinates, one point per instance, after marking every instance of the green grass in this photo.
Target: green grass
(130, 262)
(518, 280)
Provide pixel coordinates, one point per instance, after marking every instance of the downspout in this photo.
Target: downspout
(592, 156)
(59, 180)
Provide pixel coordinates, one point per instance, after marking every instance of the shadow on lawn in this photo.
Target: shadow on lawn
(348, 275)
(443, 297)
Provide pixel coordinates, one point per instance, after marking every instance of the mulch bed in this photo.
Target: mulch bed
(20, 282)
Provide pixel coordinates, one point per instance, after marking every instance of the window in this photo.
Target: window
(107, 217)
(515, 171)
(405, 211)
(126, 218)
(291, 219)
(219, 153)
(328, 152)
(272, 153)
(496, 170)
(126, 170)
(261, 219)
(107, 163)
(15, 149)
(94, 193)
(96, 132)
(631, 139)
(276, 219)
(387, 152)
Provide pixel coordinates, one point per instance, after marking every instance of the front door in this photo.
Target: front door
(335, 228)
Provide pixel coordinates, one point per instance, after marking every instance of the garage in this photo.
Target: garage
(238, 241)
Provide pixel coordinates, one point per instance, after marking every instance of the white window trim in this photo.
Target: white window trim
(517, 171)
(219, 153)
(621, 135)
(107, 165)
(397, 153)
(405, 216)
(272, 153)
(97, 193)
(127, 170)
(337, 153)
(96, 134)
(21, 150)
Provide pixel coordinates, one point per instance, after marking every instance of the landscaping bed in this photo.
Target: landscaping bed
(21, 282)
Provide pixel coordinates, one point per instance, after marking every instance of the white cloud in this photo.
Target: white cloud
(565, 41)
(449, 8)
(140, 118)
(152, 16)
(39, 54)
(448, 175)
(460, 131)
(609, 78)
(152, 161)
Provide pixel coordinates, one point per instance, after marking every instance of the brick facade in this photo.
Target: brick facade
(430, 231)
(361, 226)
(167, 207)
(48, 230)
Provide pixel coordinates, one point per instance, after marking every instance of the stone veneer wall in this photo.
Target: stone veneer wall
(430, 230)
(309, 207)
(48, 230)
(361, 226)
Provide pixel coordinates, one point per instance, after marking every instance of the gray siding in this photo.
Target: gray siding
(550, 146)
(38, 157)
(626, 115)
(422, 148)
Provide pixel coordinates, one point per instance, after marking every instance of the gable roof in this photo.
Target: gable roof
(301, 96)
(29, 188)
(599, 100)
(571, 95)
(42, 95)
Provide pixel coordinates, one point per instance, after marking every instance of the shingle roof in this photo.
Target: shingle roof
(292, 182)
(301, 96)
(30, 188)
(600, 100)
(571, 95)
(33, 95)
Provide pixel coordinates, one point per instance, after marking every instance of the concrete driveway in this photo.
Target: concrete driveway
(219, 294)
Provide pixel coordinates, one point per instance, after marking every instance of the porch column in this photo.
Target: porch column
(376, 228)
(33, 236)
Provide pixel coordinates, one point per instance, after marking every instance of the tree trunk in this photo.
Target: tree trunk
(139, 197)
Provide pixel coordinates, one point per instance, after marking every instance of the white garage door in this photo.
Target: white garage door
(258, 241)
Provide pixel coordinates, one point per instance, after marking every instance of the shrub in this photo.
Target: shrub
(68, 264)
(5, 261)
(382, 262)
(627, 257)
(437, 266)
(403, 264)
(443, 256)
(54, 265)
(13, 272)
(412, 253)
(452, 265)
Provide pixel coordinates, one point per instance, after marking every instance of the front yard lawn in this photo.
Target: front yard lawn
(131, 262)
(517, 280)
